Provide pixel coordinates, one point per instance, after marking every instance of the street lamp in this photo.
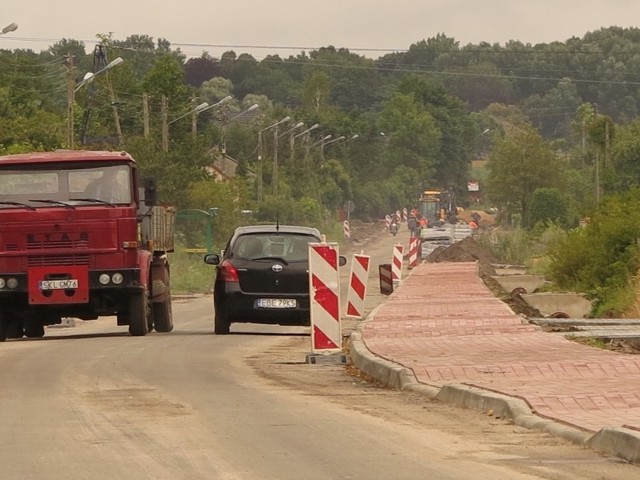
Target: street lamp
(209, 107)
(226, 122)
(12, 27)
(321, 141)
(260, 132)
(198, 109)
(88, 78)
(291, 133)
(293, 138)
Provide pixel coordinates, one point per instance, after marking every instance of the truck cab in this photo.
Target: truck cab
(79, 240)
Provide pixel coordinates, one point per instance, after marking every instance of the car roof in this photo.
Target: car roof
(273, 228)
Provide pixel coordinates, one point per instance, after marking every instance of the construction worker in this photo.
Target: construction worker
(412, 224)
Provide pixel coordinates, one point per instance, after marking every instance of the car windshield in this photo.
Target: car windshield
(291, 247)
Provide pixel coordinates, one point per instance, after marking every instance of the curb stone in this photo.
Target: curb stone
(621, 442)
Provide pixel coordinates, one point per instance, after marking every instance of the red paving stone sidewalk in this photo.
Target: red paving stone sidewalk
(448, 327)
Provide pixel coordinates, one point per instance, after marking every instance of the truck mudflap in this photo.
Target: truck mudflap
(58, 285)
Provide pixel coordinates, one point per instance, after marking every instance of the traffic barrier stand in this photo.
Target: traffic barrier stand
(358, 280)
(396, 265)
(405, 215)
(387, 221)
(414, 252)
(386, 283)
(346, 229)
(324, 295)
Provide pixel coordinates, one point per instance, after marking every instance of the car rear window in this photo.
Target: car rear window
(288, 246)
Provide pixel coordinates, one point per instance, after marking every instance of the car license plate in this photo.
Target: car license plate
(58, 284)
(276, 303)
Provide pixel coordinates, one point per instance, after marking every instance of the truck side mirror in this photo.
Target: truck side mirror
(150, 192)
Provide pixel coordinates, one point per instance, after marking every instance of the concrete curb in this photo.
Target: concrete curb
(620, 442)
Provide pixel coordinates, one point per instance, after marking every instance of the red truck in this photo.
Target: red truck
(81, 236)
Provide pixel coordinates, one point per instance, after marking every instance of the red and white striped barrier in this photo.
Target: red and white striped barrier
(324, 285)
(387, 221)
(414, 251)
(396, 264)
(358, 285)
(405, 215)
(346, 229)
(386, 283)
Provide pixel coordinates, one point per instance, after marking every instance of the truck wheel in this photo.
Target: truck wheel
(221, 322)
(33, 328)
(139, 313)
(3, 328)
(162, 314)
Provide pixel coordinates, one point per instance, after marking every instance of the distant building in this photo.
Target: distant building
(223, 166)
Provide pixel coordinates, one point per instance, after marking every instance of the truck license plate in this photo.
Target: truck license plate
(276, 303)
(58, 284)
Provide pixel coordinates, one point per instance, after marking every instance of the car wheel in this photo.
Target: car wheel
(221, 321)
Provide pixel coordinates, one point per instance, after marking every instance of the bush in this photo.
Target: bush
(601, 259)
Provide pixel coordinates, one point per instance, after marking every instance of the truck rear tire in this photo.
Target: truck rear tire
(163, 316)
(162, 313)
(139, 313)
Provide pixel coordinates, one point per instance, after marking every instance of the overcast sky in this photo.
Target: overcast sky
(370, 28)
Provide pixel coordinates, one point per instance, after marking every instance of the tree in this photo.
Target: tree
(413, 136)
(625, 157)
(548, 205)
(520, 165)
(199, 70)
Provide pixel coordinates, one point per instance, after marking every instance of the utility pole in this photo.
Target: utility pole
(164, 108)
(70, 100)
(194, 117)
(275, 162)
(259, 173)
(598, 178)
(145, 114)
(114, 108)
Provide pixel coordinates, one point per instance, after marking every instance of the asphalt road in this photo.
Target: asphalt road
(92, 402)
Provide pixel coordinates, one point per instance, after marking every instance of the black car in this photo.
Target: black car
(263, 276)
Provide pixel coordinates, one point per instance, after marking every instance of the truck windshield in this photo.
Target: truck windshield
(75, 186)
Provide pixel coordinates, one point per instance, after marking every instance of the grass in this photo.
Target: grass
(189, 273)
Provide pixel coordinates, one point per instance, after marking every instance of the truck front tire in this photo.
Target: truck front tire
(139, 313)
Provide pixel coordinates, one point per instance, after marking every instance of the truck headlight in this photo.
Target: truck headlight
(104, 279)
(117, 278)
(12, 283)
(2, 283)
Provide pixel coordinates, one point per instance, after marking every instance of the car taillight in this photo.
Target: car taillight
(228, 272)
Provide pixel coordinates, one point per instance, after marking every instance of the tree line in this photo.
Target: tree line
(556, 121)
